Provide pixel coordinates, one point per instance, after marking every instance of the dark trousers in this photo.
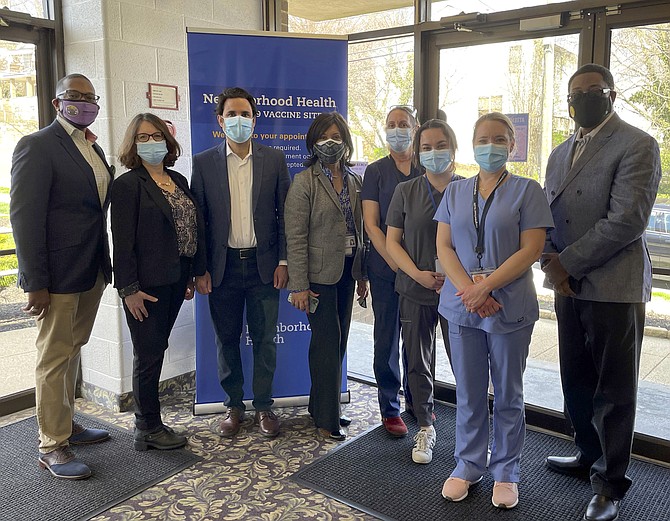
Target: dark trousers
(599, 350)
(330, 332)
(150, 340)
(387, 347)
(242, 285)
(418, 325)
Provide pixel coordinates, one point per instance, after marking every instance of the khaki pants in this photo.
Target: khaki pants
(60, 336)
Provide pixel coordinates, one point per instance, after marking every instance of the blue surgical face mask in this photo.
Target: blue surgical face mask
(436, 161)
(238, 128)
(152, 152)
(399, 139)
(491, 157)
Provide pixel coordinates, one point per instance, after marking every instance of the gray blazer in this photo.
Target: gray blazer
(601, 207)
(316, 228)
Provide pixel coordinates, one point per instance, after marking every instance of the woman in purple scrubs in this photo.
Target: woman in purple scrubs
(491, 229)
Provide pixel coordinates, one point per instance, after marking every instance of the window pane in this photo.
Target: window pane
(441, 8)
(381, 74)
(527, 79)
(639, 64)
(34, 8)
(327, 17)
(18, 117)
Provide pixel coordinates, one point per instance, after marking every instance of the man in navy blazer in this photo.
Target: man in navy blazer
(59, 200)
(240, 187)
(601, 185)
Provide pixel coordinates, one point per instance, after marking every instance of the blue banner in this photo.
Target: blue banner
(293, 80)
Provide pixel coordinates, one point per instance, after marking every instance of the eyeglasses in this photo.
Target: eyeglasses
(75, 95)
(593, 92)
(407, 108)
(143, 138)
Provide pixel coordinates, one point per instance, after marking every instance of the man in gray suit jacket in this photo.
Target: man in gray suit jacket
(59, 201)
(601, 185)
(241, 186)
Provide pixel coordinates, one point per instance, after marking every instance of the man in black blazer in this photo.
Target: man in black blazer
(240, 187)
(59, 200)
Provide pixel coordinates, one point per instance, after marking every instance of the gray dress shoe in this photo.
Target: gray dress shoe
(85, 436)
(62, 464)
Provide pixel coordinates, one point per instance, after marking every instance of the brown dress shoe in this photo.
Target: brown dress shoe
(268, 423)
(230, 425)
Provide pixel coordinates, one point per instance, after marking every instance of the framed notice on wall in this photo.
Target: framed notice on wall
(163, 96)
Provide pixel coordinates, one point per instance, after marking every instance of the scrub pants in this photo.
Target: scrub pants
(473, 352)
(387, 347)
(418, 324)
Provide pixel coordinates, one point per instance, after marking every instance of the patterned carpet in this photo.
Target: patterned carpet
(245, 478)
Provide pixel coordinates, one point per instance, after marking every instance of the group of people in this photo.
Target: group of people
(443, 249)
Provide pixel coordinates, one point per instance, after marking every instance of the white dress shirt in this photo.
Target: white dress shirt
(240, 183)
(84, 142)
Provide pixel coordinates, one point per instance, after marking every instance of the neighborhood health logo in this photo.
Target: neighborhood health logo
(282, 328)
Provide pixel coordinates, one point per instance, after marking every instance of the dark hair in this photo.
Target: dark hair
(235, 92)
(433, 123)
(73, 76)
(128, 151)
(322, 123)
(594, 67)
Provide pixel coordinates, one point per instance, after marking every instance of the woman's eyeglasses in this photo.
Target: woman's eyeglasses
(143, 138)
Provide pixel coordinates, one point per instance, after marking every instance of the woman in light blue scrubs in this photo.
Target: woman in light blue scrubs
(491, 229)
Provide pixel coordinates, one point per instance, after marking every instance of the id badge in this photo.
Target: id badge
(438, 266)
(480, 275)
(349, 245)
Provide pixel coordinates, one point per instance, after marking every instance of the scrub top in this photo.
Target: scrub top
(379, 182)
(412, 209)
(519, 204)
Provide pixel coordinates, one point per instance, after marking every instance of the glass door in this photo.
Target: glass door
(639, 61)
(495, 64)
(18, 117)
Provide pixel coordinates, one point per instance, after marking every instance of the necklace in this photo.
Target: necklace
(167, 183)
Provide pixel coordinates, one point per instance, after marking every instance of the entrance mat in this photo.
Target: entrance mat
(375, 473)
(29, 493)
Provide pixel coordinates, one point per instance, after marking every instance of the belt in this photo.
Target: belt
(243, 253)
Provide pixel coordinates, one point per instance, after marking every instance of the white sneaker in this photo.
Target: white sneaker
(424, 441)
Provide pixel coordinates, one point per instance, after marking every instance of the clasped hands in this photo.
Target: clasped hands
(476, 298)
(556, 274)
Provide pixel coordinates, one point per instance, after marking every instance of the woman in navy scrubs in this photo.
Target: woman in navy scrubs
(379, 182)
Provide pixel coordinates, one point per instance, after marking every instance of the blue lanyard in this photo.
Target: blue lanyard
(430, 193)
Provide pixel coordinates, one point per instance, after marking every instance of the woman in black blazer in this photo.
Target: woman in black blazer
(157, 233)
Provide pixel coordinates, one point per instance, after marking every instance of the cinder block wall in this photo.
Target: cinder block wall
(122, 45)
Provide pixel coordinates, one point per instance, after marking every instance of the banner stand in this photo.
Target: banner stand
(292, 401)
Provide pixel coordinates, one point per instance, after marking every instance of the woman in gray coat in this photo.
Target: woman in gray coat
(325, 243)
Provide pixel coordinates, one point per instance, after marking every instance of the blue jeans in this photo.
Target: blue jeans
(242, 286)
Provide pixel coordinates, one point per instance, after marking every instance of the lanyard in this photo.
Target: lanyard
(430, 193)
(479, 226)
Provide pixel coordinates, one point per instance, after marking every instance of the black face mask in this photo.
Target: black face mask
(590, 108)
(330, 151)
